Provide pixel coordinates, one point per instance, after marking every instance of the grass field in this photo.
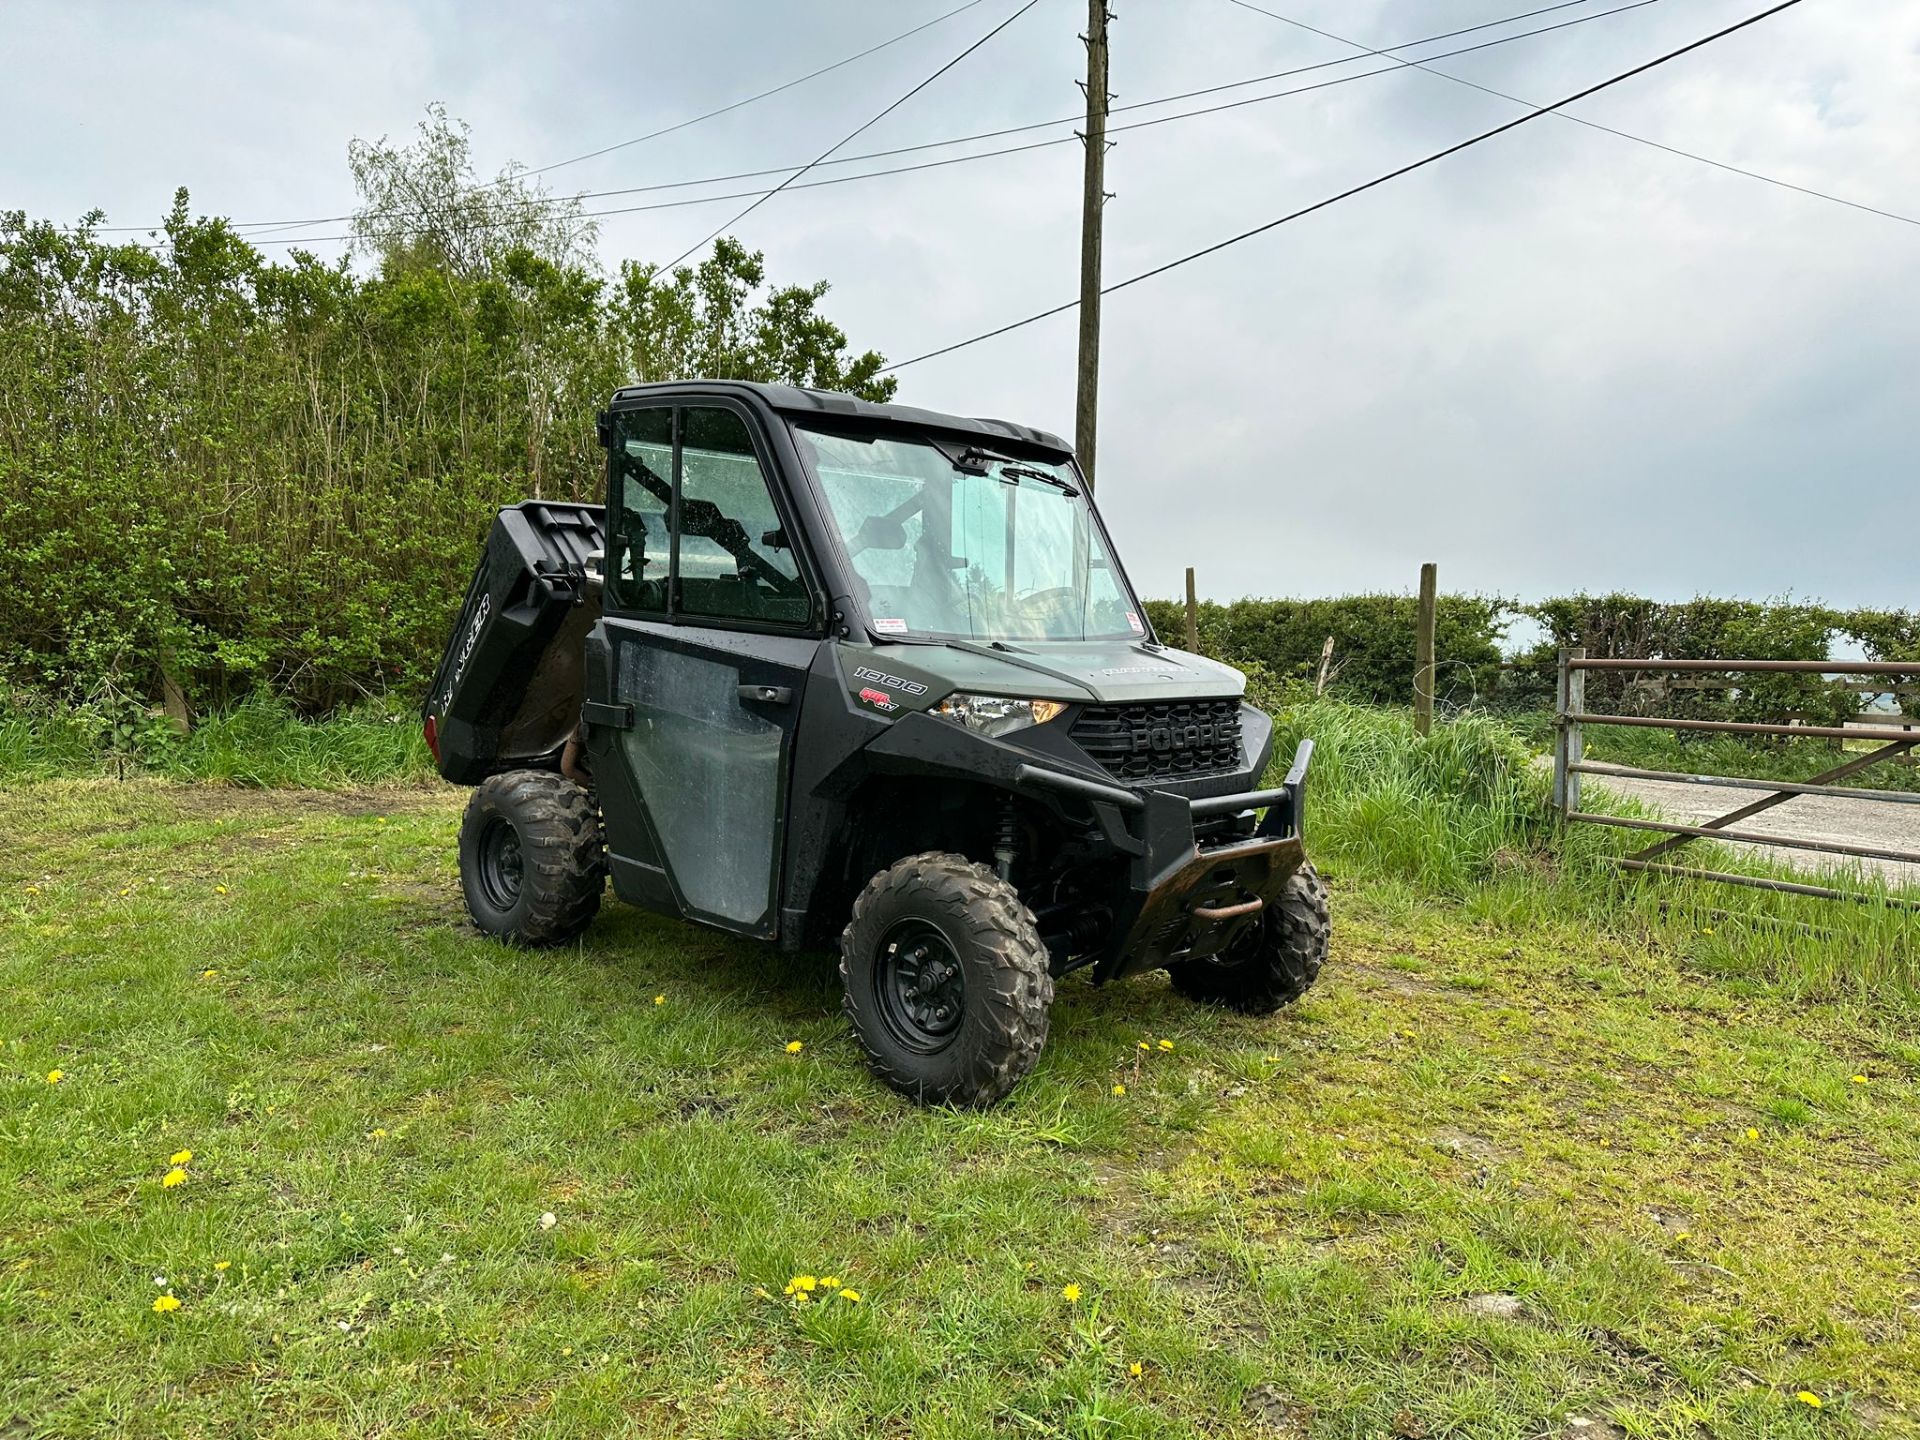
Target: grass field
(441, 1188)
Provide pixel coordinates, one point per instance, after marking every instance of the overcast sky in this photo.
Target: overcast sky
(1559, 360)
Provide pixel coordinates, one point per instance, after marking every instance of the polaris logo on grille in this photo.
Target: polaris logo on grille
(1163, 741)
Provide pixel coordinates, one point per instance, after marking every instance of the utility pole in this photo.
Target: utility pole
(1092, 204)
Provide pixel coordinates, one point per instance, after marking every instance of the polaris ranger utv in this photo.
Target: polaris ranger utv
(824, 669)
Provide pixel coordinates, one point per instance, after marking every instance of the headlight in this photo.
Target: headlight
(996, 714)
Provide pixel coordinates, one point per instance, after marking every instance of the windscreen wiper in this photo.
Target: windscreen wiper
(976, 458)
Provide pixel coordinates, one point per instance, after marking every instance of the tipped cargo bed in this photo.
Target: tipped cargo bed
(508, 690)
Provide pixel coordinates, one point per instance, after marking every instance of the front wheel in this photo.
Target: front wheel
(946, 978)
(1274, 962)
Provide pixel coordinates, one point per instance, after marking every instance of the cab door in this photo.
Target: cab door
(696, 670)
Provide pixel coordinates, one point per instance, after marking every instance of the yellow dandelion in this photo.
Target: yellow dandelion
(659, 999)
(208, 974)
(1682, 1234)
(802, 1283)
(33, 889)
(1145, 1046)
(126, 892)
(223, 1264)
(1504, 1078)
(1134, 1369)
(1859, 1079)
(219, 889)
(1707, 931)
(1119, 1089)
(1752, 1134)
(1166, 1044)
(794, 1047)
(376, 1133)
(54, 1077)
(1807, 1397)
(1070, 1293)
(852, 1296)
(173, 1177)
(830, 1282)
(165, 1304)
(566, 1350)
(180, 1157)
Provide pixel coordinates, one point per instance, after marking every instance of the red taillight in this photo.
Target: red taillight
(432, 732)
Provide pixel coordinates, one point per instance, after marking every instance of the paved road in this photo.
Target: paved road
(1808, 817)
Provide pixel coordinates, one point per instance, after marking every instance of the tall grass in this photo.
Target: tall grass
(259, 743)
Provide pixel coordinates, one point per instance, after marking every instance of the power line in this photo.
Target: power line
(1017, 149)
(255, 225)
(751, 99)
(1378, 180)
(864, 125)
(1576, 119)
(637, 139)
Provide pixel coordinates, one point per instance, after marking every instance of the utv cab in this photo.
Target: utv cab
(824, 671)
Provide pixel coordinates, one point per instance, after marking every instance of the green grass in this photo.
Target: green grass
(1286, 1217)
(259, 743)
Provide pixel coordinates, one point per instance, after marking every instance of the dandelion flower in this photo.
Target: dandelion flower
(167, 1303)
(173, 1177)
(1752, 1134)
(1859, 1079)
(1504, 1078)
(1807, 1397)
(1119, 1089)
(1070, 1293)
(794, 1047)
(54, 1077)
(851, 1296)
(180, 1157)
(830, 1282)
(659, 999)
(376, 1133)
(1134, 1369)
(222, 1264)
(219, 889)
(566, 1350)
(1145, 1046)
(1166, 1044)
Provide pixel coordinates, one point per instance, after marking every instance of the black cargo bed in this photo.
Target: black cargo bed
(507, 692)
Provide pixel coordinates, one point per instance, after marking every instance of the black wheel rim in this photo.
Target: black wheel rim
(920, 985)
(501, 868)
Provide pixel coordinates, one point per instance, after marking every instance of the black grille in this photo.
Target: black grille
(1172, 741)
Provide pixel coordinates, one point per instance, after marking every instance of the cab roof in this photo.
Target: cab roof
(829, 404)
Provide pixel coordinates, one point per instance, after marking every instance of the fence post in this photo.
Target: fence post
(1193, 616)
(1570, 698)
(1423, 650)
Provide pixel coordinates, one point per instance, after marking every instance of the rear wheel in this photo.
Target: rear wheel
(946, 978)
(532, 857)
(1275, 961)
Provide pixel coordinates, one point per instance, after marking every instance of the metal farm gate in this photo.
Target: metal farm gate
(1895, 739)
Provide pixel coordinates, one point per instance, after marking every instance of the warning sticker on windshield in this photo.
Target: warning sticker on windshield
(1134, 621)
(891, 627)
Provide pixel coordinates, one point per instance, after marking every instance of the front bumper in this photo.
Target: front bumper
(1186, 900)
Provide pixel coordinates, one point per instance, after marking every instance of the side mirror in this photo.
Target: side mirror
(775, 539)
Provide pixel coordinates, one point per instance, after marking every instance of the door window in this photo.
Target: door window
(736, 561)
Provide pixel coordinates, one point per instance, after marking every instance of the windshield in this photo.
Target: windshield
(964, 542)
